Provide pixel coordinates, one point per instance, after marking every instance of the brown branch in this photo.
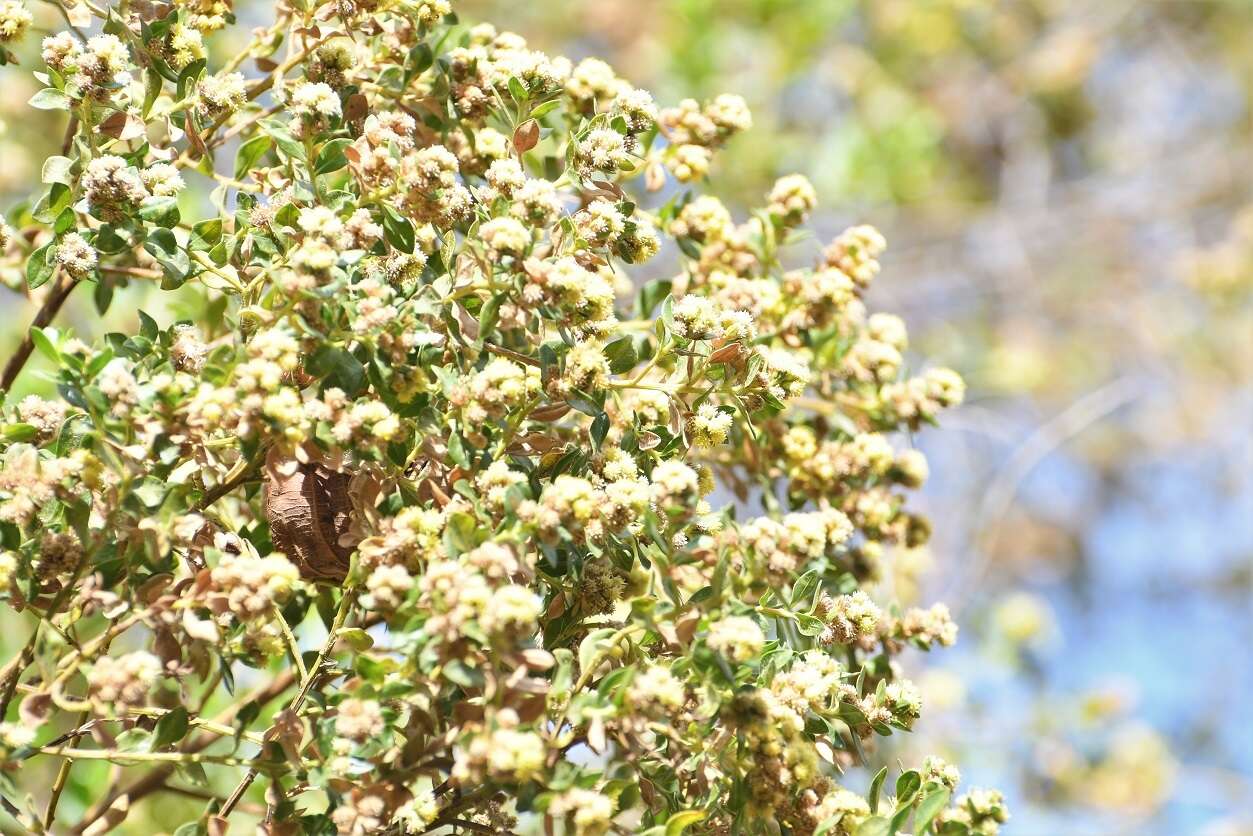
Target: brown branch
(71, 130)
(51, 306)
(450, 813)
(13, 671)
(512, 355)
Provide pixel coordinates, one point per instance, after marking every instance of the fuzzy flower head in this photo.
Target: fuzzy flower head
(114, 189)
(106, 62)
(222, 94)
(603, 151)
(14, 19)
(792, 199)
(314, 101)
(123, 682)
(709, 426)
(75, 255)
(738, 638)
(590, 811)
(253, 586)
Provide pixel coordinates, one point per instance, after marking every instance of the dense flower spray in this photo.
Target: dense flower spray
(433, 406)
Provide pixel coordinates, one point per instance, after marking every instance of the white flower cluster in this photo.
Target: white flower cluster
(786, 545)
(122, 682)
(252, 586)
(849, 617)
(14, 18)
(98, 69)
(738, 638)
(590, 811)
(314, 101)
(504, 753)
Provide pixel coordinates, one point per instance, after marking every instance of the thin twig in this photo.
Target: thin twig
(141, 757)
(63, 775)
(242, 472)
(292, 646)
(449, 814)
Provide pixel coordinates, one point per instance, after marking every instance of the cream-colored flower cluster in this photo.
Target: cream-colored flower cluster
(116, 683)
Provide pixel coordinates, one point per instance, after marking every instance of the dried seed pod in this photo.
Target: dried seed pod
(310, 513)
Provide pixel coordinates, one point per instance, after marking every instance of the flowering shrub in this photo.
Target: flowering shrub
(430, 412)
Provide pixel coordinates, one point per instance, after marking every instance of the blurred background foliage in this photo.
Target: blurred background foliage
(1067, 191)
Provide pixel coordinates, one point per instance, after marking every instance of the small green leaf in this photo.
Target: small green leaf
(651, 295)
(148, 327)
(489, 316)
(600, 428)
(689, 248)
(585, 406)
(150, 491)
(171, 728)
(676, 824)
(18, 432)
(133, 740)
(244, 718)
(421, 57)
(930, 806)
(621, 355)
(701, 595)
(907, 787)
(194, 774)
(206, 235)
(50, 98)
(250, 153)
(108, 241)
(590, 646)
(64, 222)
(331, 156)
(39, 267)
(153, 84)
(189, 74)
(57, 170)
(282, 137)
(542, 110)
(160, 210)
(163, 246)
(876, 787)
(56, 201)
(874, 826)
(457, 451)
(517, 89)
(461, 534)
(803, 589)
(356, 638)
(339, 368)
(398, 230)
